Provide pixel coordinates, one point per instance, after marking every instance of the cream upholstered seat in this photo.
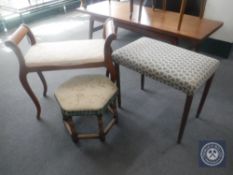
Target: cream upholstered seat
(65, 53)
(86, 94)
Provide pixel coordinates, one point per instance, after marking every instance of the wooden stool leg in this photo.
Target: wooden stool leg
(115, 113)
(142, 81)
(118, 84)
(91, 28)
(27, 88)
(204, 95)
(70, 126)
(101, 128)
(187, 106)
(43, 82)
(107, 73)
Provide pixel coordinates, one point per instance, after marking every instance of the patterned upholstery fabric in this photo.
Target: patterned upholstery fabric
(86, 94)
(177, 67)
(65, 53)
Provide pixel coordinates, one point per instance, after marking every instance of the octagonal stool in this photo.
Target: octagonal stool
(87, 95)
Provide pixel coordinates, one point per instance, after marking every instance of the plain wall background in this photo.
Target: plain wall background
(221, 10)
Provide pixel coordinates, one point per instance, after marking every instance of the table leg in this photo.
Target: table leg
(164, 4)
(131, 8)
(182, 10)
(153, 4)
(140, 10)
(202, 8)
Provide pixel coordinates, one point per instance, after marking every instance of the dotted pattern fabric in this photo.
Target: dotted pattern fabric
(174, 66)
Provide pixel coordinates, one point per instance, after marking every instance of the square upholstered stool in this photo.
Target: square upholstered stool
(87, 95)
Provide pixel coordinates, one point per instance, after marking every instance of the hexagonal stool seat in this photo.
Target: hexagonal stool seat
(87, 95)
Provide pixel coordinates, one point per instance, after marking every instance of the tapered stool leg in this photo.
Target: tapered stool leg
(204, 95)
(187, 106)
(142, 81)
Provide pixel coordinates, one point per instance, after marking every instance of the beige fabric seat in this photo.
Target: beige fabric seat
(86, 93)
(65, 53)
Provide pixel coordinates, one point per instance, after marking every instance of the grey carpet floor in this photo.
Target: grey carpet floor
(144, 142)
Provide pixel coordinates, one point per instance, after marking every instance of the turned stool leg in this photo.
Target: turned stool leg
(115, 113)
(118, 84)
(101, 128)
(70, 126)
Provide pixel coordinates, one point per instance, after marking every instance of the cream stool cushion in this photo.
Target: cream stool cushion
(65, 53)
(177, 67)
(86, 94)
